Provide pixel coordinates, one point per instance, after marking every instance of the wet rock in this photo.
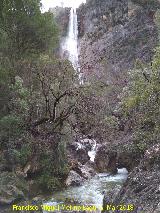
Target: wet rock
(77, 152)
(74, 179)
(105, 160)
(86, 171)
(87, 143)
(109, 197)
(127, 159)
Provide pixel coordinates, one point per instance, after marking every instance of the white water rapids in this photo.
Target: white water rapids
(91, 192)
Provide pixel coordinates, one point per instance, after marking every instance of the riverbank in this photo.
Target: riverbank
(142, 188)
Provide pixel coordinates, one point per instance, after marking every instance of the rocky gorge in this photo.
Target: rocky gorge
(113, 36)
(100, 160)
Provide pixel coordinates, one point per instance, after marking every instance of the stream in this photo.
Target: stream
(91, 192)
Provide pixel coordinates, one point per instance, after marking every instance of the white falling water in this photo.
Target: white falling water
(92, 153)
(70, 45)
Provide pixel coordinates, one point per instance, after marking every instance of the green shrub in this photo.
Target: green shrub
(141, 103)
(54, 167)
(11, 127)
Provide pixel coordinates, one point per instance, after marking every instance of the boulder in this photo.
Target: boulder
(86, 171)
(105, 160)
(127, 159)
(76, 151)
(74, 179)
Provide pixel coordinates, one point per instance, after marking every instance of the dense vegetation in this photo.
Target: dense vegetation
(141, 103)
(43, 106)
(34, 87)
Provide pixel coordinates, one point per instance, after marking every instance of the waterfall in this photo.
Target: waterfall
(92, 153)
(70, 45)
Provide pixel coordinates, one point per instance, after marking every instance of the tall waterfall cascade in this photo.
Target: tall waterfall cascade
(70, 45)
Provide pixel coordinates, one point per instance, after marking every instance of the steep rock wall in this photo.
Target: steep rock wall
(113, 34)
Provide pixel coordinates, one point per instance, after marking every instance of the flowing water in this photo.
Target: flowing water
(70, 44)
(69, 47)
(91, 193)
(92, 153)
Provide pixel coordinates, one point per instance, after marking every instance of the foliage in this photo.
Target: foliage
(43, 109)
(93, 108)
(53, 99)
(150, 4)
(24, 153)
(52, 176)
(11, 128)
(12, 125)
(25, 30)
(141, 102)
(25, 33)
(37, 90)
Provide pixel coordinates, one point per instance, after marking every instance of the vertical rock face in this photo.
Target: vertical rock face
(113, 34)
(105, 160)
(101, 15)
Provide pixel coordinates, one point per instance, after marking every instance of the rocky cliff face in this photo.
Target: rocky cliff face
(113, 34)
